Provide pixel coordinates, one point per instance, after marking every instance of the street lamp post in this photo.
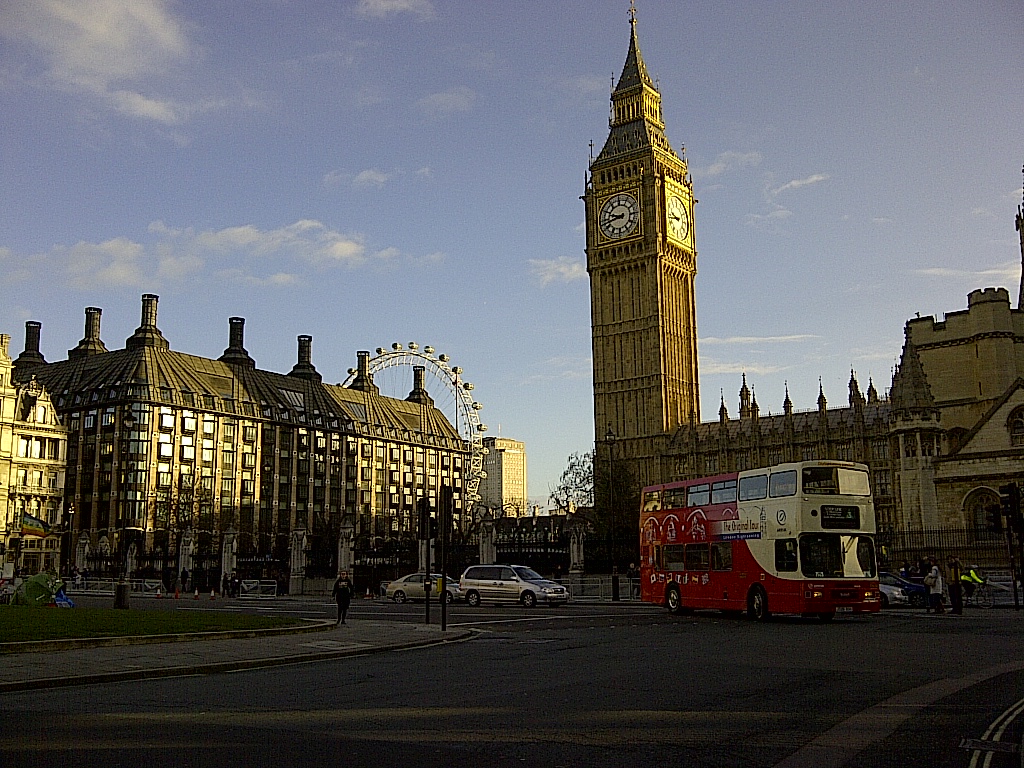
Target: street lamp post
(67, 538)
(123, 589)
(609, 437)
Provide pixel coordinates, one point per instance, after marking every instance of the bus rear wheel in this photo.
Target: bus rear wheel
(757, 604)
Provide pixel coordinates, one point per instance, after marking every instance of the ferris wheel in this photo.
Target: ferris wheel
(392, 373)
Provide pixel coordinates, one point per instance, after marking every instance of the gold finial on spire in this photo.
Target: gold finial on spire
(632, 12)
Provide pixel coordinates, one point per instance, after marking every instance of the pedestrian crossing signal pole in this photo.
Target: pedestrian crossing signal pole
(423, 508)
(446, 503)
(1010, 508)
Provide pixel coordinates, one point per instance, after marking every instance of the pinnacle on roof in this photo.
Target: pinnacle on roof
(634, 71)
(910, 390)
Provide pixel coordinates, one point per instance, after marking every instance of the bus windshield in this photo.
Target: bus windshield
(834, 555)
(835, 480)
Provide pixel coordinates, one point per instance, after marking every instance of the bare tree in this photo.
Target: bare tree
(576, 486)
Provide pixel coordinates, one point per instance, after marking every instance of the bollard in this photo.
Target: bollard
(121, 594)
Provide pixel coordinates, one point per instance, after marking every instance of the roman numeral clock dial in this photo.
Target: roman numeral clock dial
(619, 216)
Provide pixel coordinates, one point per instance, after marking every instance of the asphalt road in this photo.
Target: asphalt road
(581, 685)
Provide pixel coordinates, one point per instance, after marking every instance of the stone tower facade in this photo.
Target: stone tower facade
(642, 260)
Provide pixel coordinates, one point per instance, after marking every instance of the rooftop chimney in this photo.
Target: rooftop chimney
(304, 368)
(147, 334)
(419, 393)
(363, 381)
(31, 357)
(91, 344)
(235, 354)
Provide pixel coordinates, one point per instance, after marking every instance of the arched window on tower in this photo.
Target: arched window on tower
(1015, 426)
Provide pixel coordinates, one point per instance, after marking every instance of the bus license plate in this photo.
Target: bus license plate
(844, 609)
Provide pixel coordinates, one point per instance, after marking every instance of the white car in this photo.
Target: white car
(411, 588)
(893, 596)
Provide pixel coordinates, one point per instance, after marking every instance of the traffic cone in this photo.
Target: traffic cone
(158, 593)
(212, 596)
(368, 595)
(196, 596)
(177, 593)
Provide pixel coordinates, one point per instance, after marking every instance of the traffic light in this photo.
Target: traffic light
(425, 522)
(993, 518)
(1009, 505)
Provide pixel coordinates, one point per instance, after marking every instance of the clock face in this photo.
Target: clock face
(678, 218)
(619, 216)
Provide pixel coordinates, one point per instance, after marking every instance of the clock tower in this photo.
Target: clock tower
(642, 261)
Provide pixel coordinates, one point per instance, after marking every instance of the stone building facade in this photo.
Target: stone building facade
(504, 486)
(178, 461)
(33, 446)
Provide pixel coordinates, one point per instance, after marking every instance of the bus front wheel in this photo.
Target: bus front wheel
(757, 604)
(672, 600)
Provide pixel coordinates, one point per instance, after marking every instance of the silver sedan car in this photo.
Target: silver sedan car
(411, 588)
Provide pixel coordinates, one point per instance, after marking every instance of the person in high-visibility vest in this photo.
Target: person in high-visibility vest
(971, 579)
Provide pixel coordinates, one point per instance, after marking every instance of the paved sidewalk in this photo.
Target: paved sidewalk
(86, 664)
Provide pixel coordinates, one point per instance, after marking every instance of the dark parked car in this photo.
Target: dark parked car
(917, 593)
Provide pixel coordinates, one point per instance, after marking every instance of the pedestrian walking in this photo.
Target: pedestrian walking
(934, 583)
(954, 569)
(342, 594)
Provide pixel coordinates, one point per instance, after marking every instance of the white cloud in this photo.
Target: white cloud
(586, 85)
(108, 49)
(1005, 274)
(728, 161)
(757, 339)
(458, 99)
(382, 9)
(564, 269)
(565, 368)
(132, 58)
(710, 366)
(371, 177)
(117, 262)
(766, 218)
(797, 183)
(174, 255)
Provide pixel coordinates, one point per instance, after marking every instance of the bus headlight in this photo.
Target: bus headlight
(812, 594)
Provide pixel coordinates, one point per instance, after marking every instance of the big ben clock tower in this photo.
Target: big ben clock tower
(642, 261)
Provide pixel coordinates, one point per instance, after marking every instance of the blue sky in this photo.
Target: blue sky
(373, 171)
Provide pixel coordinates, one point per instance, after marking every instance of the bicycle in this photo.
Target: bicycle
(982, 596)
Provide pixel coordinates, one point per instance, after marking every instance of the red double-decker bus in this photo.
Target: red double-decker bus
(794, 538)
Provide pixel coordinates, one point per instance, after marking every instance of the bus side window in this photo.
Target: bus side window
(785, 555)
(656, 558)
(753, 487)
(723, 492)
(782, 484)
(696, 557)
(698, 495)
(673, 554)
(721, 556)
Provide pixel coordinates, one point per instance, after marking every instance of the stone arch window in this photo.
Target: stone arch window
(1015, 426)
(974, 506)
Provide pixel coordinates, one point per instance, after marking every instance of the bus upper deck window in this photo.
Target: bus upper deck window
(698, 495)
(753, 487)
(723, 492)
(782, 484)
